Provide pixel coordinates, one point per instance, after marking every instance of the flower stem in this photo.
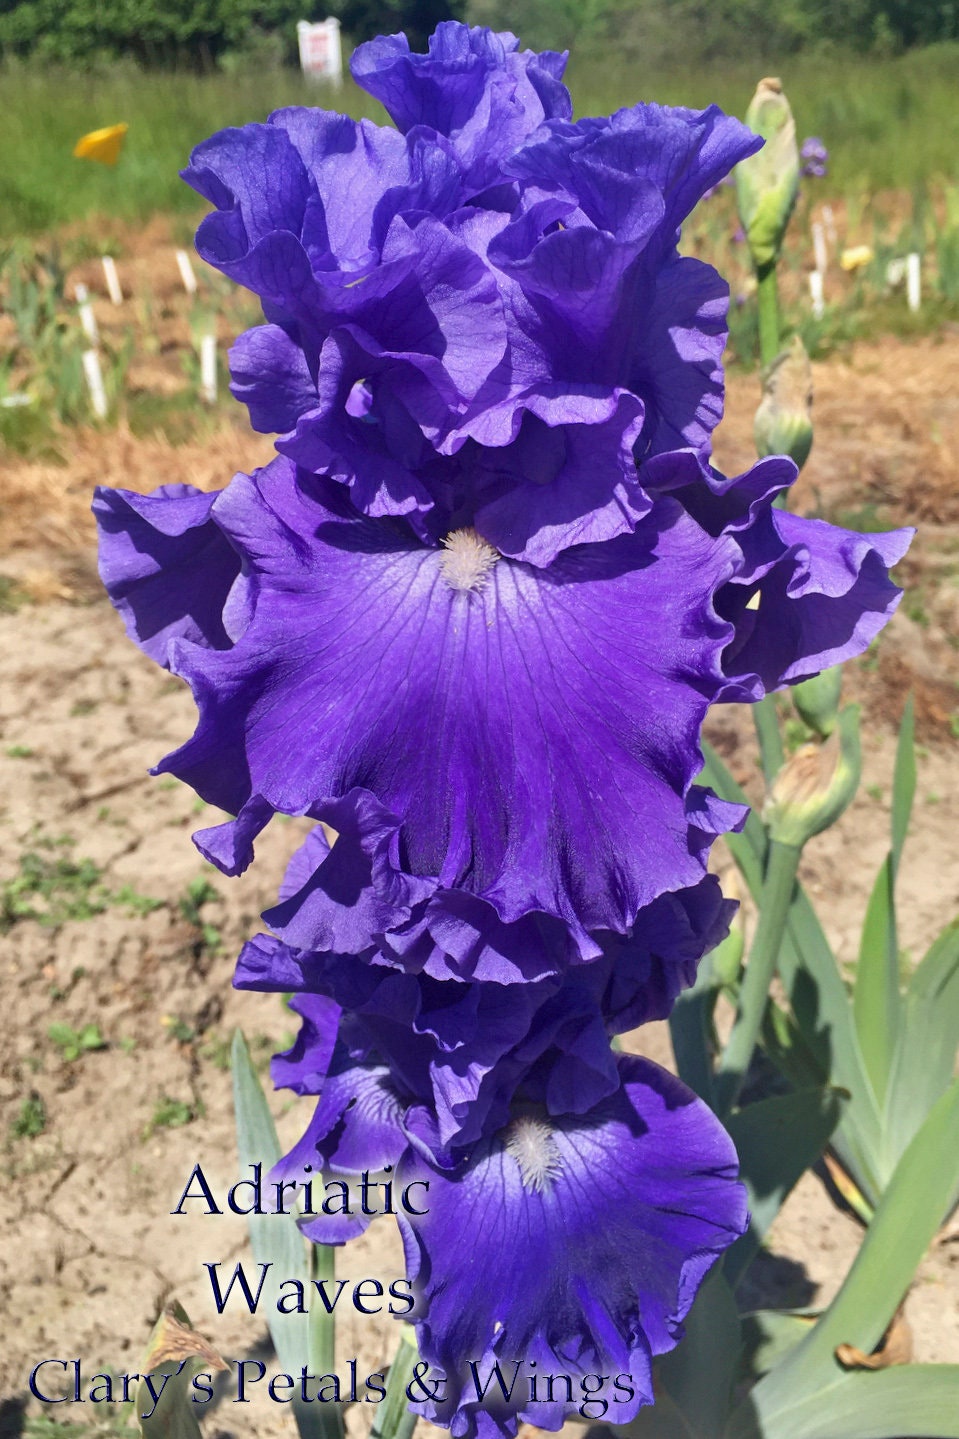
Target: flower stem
(778, 886)
(766, 722)
(767, 297)
(768, 301)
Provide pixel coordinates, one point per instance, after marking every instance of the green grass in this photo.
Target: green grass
(31, 1120)
(169, 1113)
(72, 1043)
(888, 123)
(52, 886)
(47, 109)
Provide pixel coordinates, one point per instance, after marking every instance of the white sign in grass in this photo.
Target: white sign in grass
(819, 247)
(829, 221)
(321, 53)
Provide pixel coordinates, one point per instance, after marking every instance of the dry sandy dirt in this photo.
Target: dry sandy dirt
(88, 1247)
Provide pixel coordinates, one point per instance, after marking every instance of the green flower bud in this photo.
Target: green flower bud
(768, 182)
(783, 424)
(813, 788)
(817, 700)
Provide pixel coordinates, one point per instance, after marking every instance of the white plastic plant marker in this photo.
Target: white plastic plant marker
(829, 220)
(895, 273)
(186, 272)
(913, 281)
(112, 279)
(208, 369)
(16, 401)
(816, 294)
(94, 377)
(819, 247)
(87, 318)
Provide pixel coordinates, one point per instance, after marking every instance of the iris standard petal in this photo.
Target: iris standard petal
(473, 86)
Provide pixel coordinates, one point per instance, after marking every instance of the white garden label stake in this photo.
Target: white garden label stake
(94, 378)
(208, 369)
(816, 294)
(186, 272)
(913, 282)
(87, 318)
(112, 279)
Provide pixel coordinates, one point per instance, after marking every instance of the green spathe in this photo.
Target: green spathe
(768, 182)
(815, 786)
(783, 423)
(817, 700)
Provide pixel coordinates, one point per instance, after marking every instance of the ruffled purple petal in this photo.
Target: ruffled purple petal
(678, 370)
(822, 600)
(514, 729)
(473, 87)
(460, 1051)
(612, 165)
(269, 375)
(589, 1238)
(806, 594)
(569, 478)
(305, 1066)
(166, 566)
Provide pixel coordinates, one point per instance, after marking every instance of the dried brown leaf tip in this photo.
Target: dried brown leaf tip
(895, 1347)
(173, 1340)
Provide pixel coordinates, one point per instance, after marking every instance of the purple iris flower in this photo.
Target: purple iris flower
(470, 620)
(481, 732)
(474, 87)
(630, 1205)
(497, 320)
(636, 1191)
(461, 1048)
(814, 157)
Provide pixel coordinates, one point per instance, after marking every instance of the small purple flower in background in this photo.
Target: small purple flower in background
(814, 157)
(470, 620)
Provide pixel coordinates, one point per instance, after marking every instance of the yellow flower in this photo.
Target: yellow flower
(855, 258)
(103, 145)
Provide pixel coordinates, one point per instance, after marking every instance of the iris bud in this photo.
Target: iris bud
(783, 423)
(814, 788)
(817, 700)
(767, 183)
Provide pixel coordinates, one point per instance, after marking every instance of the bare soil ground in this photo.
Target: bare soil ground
(96, 1146)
